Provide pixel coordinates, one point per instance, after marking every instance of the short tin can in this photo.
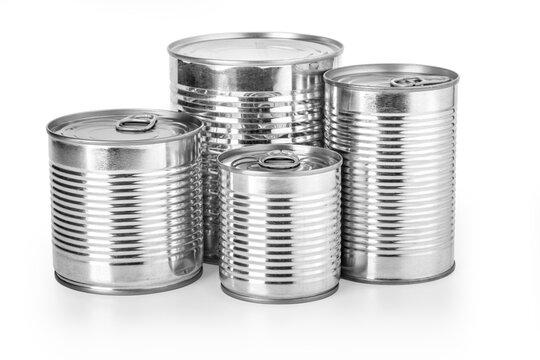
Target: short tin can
(280, 223)
(395, 126)
(249, 89)
(126, 200)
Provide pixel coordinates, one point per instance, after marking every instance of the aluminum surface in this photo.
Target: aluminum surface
(126, 200)
(395, 126)
(280, 223)
(248, 89)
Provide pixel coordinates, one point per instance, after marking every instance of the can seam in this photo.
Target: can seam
(127, 292)
(270, 301)
(327, 76)
(285, 173)
(264, 35)
(400, 282)
(79, 115)
(211, 260)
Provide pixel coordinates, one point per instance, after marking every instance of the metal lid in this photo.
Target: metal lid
(391, 77)
(257, 48)
(124, 126)
(279, 160)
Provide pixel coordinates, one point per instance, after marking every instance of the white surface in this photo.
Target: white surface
(63, 57)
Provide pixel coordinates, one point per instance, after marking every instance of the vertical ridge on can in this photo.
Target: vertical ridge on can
(249, 89)
(280, 225)
(398, 146)
(126, 202)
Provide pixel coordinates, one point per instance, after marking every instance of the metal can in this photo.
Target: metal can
(248, 89)
(126, 200)
(395, 126)
(280, 223)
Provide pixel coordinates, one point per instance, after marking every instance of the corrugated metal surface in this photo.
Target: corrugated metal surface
(398, 172)
(280, 232)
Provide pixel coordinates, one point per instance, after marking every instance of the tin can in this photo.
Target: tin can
(249, 89)
(280, 223)
(395, 126)
(126, 200)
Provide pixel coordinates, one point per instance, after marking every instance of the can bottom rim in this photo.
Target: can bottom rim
(212, 260)
(260, 300)
(114, 291)
(398, 281)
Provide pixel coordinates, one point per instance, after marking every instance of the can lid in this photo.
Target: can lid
(124, 126)
(256, 48)
(391, 77)
(279, 159)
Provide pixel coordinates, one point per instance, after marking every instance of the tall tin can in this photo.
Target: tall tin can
(249, 89)
(395, 126)
(280, 223)
(126, 200)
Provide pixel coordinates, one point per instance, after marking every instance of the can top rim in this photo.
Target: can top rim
(190, 124)
(335, 48)
(336, 76)
(333, 158)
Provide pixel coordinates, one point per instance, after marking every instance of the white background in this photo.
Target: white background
(60, 57)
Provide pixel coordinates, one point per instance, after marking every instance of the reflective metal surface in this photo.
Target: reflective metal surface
(280, 223)
(395, 126)
(126, 200)
(249, 88)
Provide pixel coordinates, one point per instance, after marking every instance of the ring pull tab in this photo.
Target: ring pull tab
(415, 81)
(243, 161)
(137, 123)
(279, 160)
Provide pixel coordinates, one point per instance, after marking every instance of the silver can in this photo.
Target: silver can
(280, 223)
(395, 126)
(126, 200)
(248, 89)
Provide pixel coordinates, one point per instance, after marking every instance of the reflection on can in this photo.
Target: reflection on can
(394, 125)
(280, 223)
(126, 200)
(248, 89)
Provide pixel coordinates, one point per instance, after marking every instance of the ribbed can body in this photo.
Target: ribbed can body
(280, 235)
(398, 195)
(126, 219)
(245, 104)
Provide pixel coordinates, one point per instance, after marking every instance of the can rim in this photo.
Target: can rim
(174, 46)
(331, 75)
(182, 117)
(338, 160)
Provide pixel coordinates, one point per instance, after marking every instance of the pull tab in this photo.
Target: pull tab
(137, 123)
(415, 81)
(279, 160)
